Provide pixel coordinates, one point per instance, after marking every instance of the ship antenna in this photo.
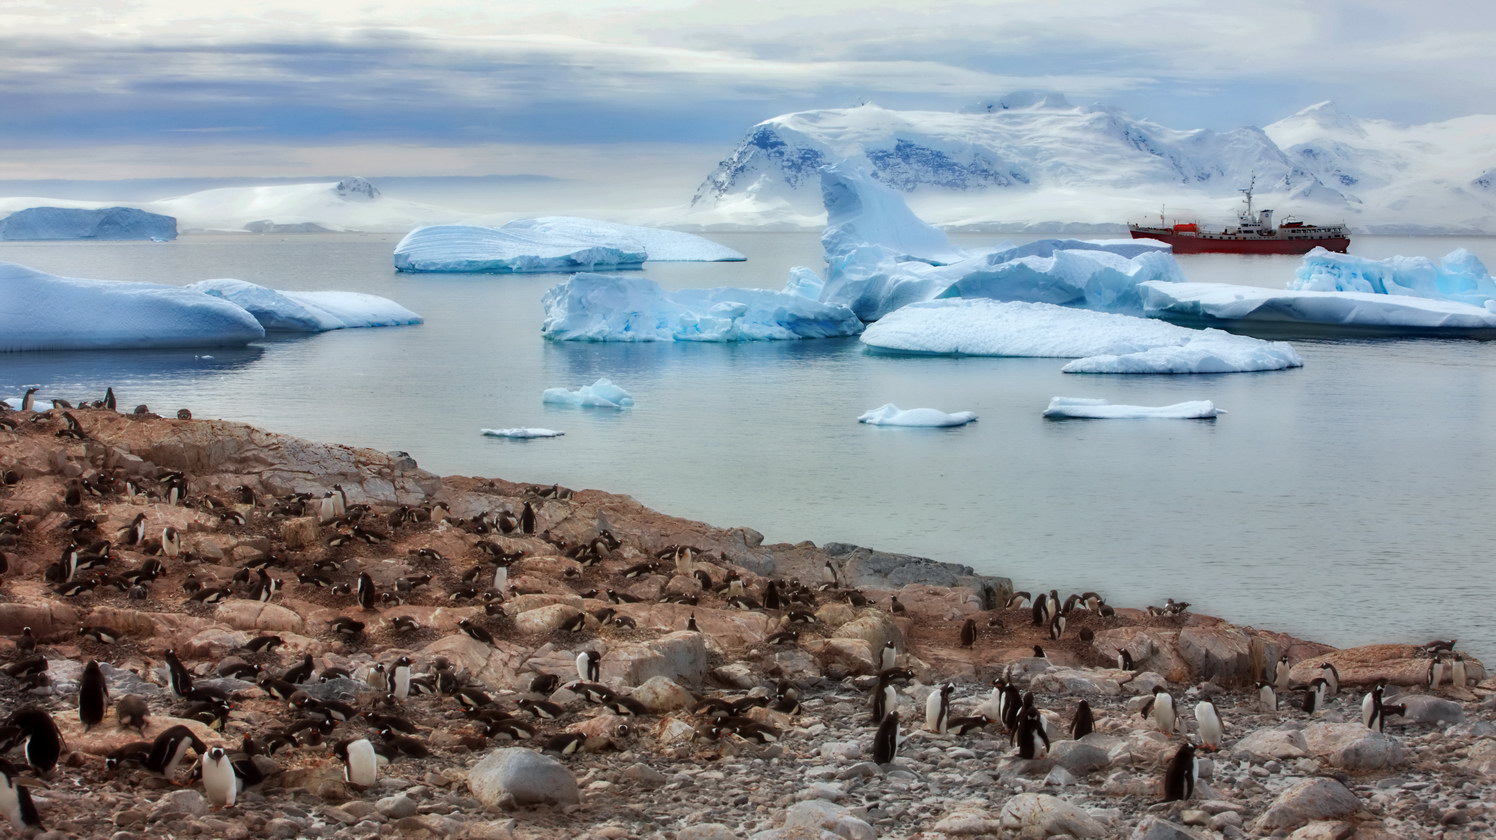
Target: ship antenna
(1161, 222)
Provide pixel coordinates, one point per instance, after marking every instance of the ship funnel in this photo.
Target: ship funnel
(1266, 218)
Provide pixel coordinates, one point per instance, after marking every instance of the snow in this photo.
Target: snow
(1100, 342)
(46, 312)
(600, 394)
(1084, 408)
(610, 307)
(1346, 312)
(522, 433)
(468, 248)
(36, 405)
(81, 223)
(1459, 276)
(279, 311)
(662, 245)
(891, 415)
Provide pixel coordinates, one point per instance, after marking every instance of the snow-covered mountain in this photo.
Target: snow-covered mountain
(1038, 162)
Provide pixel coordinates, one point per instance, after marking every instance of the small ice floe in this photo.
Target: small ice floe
(1082, 408)
(522, 433)
(892, 415)
(600, 394)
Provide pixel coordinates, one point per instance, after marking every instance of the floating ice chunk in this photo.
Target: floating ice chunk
(467, 248)
(1082, 408)
(1459, 276)
(45, 312)
(1331, 312)
(308, 311)
(860, 211)
(804, 282)
(87, 223)
(660, 244)
(610, 307)
(522, 433)
(600, 394)
(36, 405)
(890, 415)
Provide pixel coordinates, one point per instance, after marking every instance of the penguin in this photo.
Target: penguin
(26, 642)
(885, 696)
(1056, 626)
(564, 743)
(969, 633)
(692, 625)
(15, 800)
(1039, 613)
(178, 676)
(1124, 660)
(1039, 653)
(1371, 707)
(28, 402)
(93, 696)
(170, 748)
(886, 741)
(1280, 679)
(220, 783)
(938, 708)
(1181, 775)
(1435, 673)
(1009, 703)
(1030, 732)
(1208, 719)
(1084, 722)
(1331, 677)
(589, 666)
(1017, 601)
(1457, 675)
(889, 657)
(365, 591)
(527, 519)
(1267, 698)
(109, 401)
(963, 725)
(1160, 708)
(541, 709)
(500, 578)
(1314, 696)
(475, 631)
(300, 673)
(134, 533)
(400, 678)
(41, 742)
(685, 561)
(1052, 604)
(131, 711)
(829, 575)
(360, 763)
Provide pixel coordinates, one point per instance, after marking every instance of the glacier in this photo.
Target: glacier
(891, 415)
(49, 223)
(1330, 313)
(600, 394)
(281, 311)
(522, 433)
(1460, 276)
(551, 244)
(610, 307)
(46, 312)
(1099, 342)
(1085, 408)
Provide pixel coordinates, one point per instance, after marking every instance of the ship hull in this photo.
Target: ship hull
(1236, 244)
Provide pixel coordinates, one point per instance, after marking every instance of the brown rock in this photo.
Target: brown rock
(258, 616)
(494, 666)
(47, 619)
(1369, 664)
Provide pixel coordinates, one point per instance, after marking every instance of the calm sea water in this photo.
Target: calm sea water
(1348, 501)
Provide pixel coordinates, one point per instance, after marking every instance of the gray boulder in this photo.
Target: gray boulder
(869, 569)
(1309, 800)
(1426, 708)
(515, 776)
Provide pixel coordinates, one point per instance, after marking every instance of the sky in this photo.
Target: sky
(590, 89)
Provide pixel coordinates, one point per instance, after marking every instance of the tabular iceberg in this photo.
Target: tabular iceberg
(467, 248)
(609, 307)
(1100, 342)
(279, 311)
(522, 433)
(600, 394)
(45, 312)
(661, 244)
(87, 223)
(1083, 408)
(891, 415)
(1459, 276)
(1337, 312)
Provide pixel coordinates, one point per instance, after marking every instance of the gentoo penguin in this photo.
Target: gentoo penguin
(1208, 718)
(301, 672)
(829, 575)
(41, 742)
(1039, 653)
(500, 578)
(1331, 677)
(1180, 777)
(1124, 659)
(134, 533)
(1267, 698)
(1160, 708)
(170, 748)
(685, 561)
(400, 678)
(360, 763)
(1009, 703)
(1435, 673)
(589, 665)
(692, 625)
(885, 695)
(1052, 605)
(963, 725)
(886, 742)
(1084, 723)
(938, 708)
(171, 542)
(1314, 695)
(1457, 676)
(109, 401)
(1039, 613)
(1056, 626)
(15, 799)
(475, 631)
(28, 402)
(564, 744)
(177, 674)
(1371, 707)
(220, 783)
(1018, 600)
(93, 696)
(889, 658)
(365, 591)
(131, 711)
(1030, 733)
(969, 633)
(1280, 679)
(527, 519)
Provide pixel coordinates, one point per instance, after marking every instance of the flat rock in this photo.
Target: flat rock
(1273, 743)
(1307, 801)
(1155, 828)
(258, 616)
(662, 694)
(1354, 747)
(1426, 708)
(544, 619)
(517, 776)
(1036, 816)
(1080, 682)
(681, 656)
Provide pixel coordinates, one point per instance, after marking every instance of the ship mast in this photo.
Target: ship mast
(1246, 215)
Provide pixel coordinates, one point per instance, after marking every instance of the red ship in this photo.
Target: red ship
(1254, 235)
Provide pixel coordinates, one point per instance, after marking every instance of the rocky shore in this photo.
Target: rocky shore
(483, 602)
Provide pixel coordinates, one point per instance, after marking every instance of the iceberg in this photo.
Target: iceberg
(46, 312)
(891, 415)
(610, 307)
(1342, 313)
(1100, 342)
(279, 311)
(600, 394)
(467, 248)
(1460, 276)
(660, 244)
(522, 433)
(87, 223)
(1083, 408)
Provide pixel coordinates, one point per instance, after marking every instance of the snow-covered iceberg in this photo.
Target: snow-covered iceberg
(662, 244)
(600, 394)
(891, 415)
(1084, 408)
(87, 223)
(45, 312)
(1460, 276)
(522, 433)
(1343, 313)
(279, 311)
(610, 307)
(551, 244)
(1100, 342)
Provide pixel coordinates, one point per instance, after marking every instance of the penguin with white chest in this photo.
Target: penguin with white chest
(1160, 709)
(1435, 673)
(589, 665)
(1267, 698)
(15, 799)
(938, 708)
(1208, 719)
(1280, 679)
(889, 657)
(1371, 707)
(1457, 675)
(360, 762)
(220, 782)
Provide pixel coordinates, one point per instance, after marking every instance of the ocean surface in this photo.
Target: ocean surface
(1349, 501)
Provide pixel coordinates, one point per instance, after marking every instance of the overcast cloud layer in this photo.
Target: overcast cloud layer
(165, 87)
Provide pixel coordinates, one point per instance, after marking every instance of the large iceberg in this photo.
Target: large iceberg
(1459, 276)
(279, 311)
(550, 244)
(600, 394)
(610, 307)
(1100, 342)
(1354, 313)
(41, 311)
(889, 414)
(87, 223)
(1085, 408)
(661, 244)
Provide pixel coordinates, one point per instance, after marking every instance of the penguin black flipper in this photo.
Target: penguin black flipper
(1084, 722)
(1179, 778)
(886, 742)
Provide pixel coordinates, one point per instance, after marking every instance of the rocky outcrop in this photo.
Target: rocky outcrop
(512, 777)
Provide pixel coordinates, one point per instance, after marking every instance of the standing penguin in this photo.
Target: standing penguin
(1057, 626)
(1030, 732)
(1160, 708)
(889, 657)
(1314, 696)
(177, 675)
(886, 742)
(1371, 707)
(1084, 722)
(400, 678)
(131, 711)
(885, 696)
(527, 519)
(1331, 677)
(1435, 673)
(1181, 775)
(360, 763)
(1208, 718)
(1280, 679)
(366, 594)
(1009, 703)
(42, 743)
(93, 696)
(15, 799)
(969, 633)
(938, 708)
(220, 783)
(1124, 660)
(1267, 698)
(1457, 675)
(589, 665)
(170, 748)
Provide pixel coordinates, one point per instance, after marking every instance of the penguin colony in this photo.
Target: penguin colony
(118, 536)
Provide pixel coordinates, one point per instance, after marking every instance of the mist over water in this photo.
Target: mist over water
(1345, 502)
